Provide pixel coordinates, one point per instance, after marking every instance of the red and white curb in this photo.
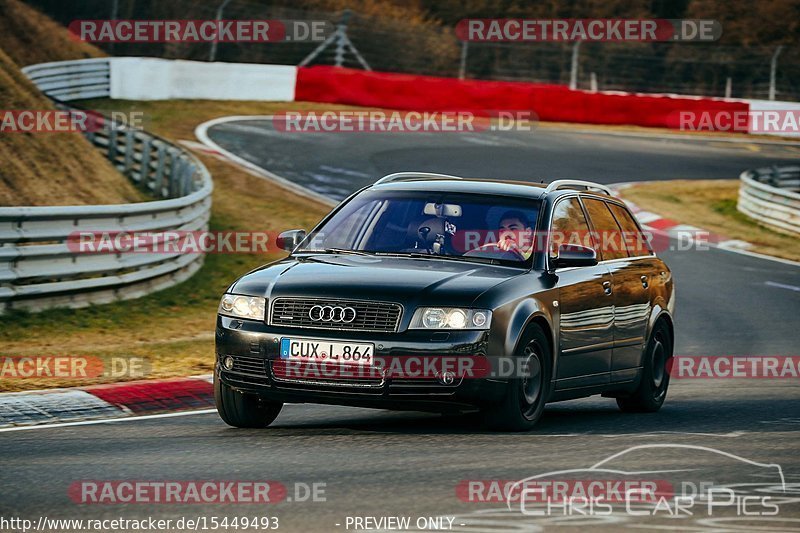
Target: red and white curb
(115, 400)
(203, 149)
(673, 229)
(690, 235)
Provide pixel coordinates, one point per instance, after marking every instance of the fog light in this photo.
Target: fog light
(228, 363)
(446, 378)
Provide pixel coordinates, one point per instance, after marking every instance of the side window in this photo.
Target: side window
(569, 225)
(606, 230)
(635, 241)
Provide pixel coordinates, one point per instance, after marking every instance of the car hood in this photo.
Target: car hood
(409, 281)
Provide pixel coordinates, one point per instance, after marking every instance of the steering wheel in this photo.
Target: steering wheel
(515, 251)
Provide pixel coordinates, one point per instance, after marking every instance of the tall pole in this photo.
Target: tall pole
(114, 16)
(573, 73)
(341, 39)
(212, 55)
(462, 68)
(773, 67)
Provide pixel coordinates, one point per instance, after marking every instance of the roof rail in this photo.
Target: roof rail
(571, 184)
(402, 176)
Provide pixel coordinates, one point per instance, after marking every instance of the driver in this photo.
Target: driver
(515, 234)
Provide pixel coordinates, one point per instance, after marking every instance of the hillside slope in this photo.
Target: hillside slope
(47, 168)
(28, 37)
(51, 168)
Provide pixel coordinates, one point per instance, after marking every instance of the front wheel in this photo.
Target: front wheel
(243, 410)
(656, 362)
(527, 394)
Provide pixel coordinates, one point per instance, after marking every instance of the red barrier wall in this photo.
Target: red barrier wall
(552, 103)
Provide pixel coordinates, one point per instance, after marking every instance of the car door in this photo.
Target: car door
(630, 283)
(586, 312)
(641, 271)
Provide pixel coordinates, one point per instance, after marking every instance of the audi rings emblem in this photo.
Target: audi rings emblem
(332, 313)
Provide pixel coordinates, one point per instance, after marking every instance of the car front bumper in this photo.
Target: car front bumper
(255, 349)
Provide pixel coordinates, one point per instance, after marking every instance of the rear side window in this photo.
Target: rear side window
(608, 236)
(635, 241)
(569, 226)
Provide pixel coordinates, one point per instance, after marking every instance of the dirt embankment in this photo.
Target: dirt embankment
(47, 168)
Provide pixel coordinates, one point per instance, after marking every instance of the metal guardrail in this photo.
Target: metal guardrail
(771, 196)
(38, 267)
(72, 80)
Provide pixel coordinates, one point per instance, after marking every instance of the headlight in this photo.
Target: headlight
(451, 318)
(250, 307)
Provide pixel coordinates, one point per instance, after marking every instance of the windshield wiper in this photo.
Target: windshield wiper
(335, 251)
(415, 255)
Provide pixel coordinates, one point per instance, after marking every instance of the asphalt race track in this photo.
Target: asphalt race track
(379, 464)
(335, 164)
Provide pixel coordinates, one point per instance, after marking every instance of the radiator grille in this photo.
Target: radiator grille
(370, 316)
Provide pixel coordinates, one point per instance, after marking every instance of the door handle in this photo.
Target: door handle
(607, 287)
(645, 283)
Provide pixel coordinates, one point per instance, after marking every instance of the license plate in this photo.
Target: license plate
(312, 350)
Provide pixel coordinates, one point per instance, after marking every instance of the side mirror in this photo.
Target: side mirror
(288, 240)
(574, 255)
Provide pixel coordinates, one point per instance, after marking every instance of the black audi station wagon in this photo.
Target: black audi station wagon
(433, 292)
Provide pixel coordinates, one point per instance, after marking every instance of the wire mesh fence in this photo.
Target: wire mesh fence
(425, 47)
(686, 68)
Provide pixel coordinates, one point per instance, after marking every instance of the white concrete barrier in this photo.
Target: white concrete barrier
(770, 105)
(144, 78)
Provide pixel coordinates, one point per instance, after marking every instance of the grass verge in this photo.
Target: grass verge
(711, 205)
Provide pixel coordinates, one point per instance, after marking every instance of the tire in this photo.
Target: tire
(656, 360)
(525, 399)
(243, 410)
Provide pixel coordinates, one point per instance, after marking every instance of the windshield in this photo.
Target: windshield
(456, 226)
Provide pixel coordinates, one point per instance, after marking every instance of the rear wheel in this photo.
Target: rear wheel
(652, 390)
(526, 396)
(243, 410)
